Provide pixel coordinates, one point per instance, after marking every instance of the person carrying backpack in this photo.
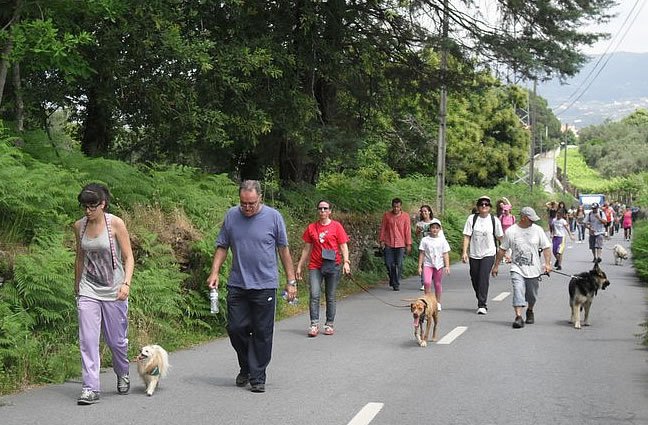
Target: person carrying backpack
(481, 232)
(596, 222)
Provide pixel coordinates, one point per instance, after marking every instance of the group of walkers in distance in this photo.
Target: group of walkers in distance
(617, 216)
(601, 222)
(257, 238)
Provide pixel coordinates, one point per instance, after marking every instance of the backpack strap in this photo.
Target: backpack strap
(111, 241)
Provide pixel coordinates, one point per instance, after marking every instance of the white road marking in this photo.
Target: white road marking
(452, 335)
(366, 414)
(501, 296)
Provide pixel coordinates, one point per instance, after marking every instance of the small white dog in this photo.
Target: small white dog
(620, 254)
(152, 365)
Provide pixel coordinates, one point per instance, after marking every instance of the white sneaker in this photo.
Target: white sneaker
(422, 288)
(438, 306)
(482, 310)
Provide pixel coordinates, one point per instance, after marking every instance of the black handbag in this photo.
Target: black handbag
(328, 261)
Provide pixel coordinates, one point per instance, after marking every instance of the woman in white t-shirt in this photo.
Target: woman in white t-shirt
(559, 231)
(481, 232)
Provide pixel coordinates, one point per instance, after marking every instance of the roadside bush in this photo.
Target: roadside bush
(639, 249)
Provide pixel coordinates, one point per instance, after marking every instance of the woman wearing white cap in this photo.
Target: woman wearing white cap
(480, 234)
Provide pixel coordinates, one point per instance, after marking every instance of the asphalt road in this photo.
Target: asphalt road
(546, 373)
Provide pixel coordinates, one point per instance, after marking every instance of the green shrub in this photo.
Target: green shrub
(639, 249)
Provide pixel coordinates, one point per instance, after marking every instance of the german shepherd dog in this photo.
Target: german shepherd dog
(425, 310)
(582, 289)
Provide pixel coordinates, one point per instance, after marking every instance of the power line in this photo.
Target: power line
(607, 59)
(603, 55)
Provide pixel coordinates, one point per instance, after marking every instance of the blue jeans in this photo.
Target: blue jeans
(525, 290)
(250, 325)
(330, 282)
(394, 263)
(581, 231)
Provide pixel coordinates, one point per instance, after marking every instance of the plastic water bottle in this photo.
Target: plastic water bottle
(285, 297)
(213, 297)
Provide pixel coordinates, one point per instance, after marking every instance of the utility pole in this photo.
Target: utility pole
(546, 138)
(441, 150)
(565, 169)
(532, 119)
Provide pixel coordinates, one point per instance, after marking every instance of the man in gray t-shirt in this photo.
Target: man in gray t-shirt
(595, 222)
(526, 240)
(255, 233)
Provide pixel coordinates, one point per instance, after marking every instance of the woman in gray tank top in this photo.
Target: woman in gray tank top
(103, 271)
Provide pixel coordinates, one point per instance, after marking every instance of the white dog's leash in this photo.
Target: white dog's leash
(373, 295)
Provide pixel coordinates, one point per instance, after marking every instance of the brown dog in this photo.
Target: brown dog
(425, 309)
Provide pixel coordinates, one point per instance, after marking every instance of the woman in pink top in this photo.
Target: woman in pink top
(627, 223)
(507, 218)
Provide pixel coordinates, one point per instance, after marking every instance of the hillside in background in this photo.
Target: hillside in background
(618, 90)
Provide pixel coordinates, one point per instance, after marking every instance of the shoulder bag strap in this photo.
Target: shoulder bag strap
(113, 253)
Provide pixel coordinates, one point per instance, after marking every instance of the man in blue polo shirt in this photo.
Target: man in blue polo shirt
(255, 233)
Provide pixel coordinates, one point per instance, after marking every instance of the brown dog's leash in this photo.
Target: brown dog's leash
(352, 279)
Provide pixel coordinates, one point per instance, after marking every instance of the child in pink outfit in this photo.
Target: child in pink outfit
(434, 259)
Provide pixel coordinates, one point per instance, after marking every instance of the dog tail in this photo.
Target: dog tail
(164, 364)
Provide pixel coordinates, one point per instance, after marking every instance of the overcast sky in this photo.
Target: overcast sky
(636, 40)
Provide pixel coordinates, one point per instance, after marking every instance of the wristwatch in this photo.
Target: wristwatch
(292, 282)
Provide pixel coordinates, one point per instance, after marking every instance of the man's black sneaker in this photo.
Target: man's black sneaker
(518, 322)
(258, 388)
(242, 379)
(530, 319)
(558, 267)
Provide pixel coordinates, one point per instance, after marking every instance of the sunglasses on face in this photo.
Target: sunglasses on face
(484, 204)
(90, 206)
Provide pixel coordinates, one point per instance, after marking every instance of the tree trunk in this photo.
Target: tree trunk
(4, 66)
(299, 163)
(97, 132)
(294, 165)
(20, 105)
(6, 50)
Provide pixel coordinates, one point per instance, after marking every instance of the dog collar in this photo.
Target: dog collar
(155, 371)
(426, 305)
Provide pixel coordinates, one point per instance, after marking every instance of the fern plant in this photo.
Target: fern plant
(44, 283)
